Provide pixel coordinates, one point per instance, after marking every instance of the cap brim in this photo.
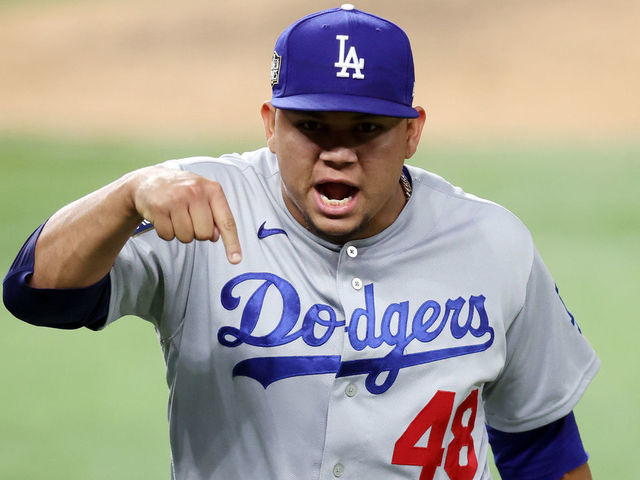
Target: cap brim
(332, 102)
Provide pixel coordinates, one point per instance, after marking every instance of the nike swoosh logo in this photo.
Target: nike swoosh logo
(267, 232)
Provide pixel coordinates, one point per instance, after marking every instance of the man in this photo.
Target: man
(354, 303)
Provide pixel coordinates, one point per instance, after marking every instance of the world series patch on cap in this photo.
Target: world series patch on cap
(344, 59)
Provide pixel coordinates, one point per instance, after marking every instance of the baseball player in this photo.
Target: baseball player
(359, 319)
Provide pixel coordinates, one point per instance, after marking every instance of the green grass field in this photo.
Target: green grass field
(81, 405)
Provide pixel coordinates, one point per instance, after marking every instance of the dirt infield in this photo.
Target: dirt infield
(141, 67)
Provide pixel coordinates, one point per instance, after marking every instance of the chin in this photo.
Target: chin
(332, 231)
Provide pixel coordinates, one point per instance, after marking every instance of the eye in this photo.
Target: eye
(368, 127)
(309, 125)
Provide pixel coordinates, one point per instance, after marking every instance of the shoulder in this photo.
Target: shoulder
(461, 217)
(258, 162)
(456, 205)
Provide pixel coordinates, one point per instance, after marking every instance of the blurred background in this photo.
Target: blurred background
(535, 105)
(145, 68)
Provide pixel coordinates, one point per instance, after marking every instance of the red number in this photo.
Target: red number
(462, 438)
(435, 416)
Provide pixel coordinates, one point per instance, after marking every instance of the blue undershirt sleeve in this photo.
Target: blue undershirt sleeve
(545, 453)
(66, 308)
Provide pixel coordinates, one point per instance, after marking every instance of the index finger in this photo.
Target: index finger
(226, 225)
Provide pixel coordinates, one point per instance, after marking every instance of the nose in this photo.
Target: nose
(339, 156)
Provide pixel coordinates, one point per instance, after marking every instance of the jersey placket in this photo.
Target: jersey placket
(341, 452)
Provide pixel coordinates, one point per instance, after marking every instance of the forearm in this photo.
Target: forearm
(581, 473)
(80, 242)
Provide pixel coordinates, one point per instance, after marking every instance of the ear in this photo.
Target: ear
(268, 113)
(414, 131)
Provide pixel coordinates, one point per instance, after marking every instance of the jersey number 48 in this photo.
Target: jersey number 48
(435, 416)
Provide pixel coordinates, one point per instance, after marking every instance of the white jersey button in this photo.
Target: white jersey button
(356, 283)
(352, 251)
(351, 390)
(338, 470)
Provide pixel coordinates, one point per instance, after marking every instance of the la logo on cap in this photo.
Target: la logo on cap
(352, 60)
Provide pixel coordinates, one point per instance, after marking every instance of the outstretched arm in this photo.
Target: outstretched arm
(80, 242)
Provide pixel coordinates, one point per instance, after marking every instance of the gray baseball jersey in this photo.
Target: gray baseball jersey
(313, 360)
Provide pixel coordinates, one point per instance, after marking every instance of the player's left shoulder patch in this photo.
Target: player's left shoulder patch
(145, 226)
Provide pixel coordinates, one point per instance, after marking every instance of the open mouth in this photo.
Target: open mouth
(336, 194)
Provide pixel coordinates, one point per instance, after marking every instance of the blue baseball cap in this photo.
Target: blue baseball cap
(345, 60)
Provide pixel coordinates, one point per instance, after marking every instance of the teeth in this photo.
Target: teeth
(334, 202)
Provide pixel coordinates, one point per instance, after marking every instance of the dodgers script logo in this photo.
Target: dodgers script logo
(429, 321)
(352, 60)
